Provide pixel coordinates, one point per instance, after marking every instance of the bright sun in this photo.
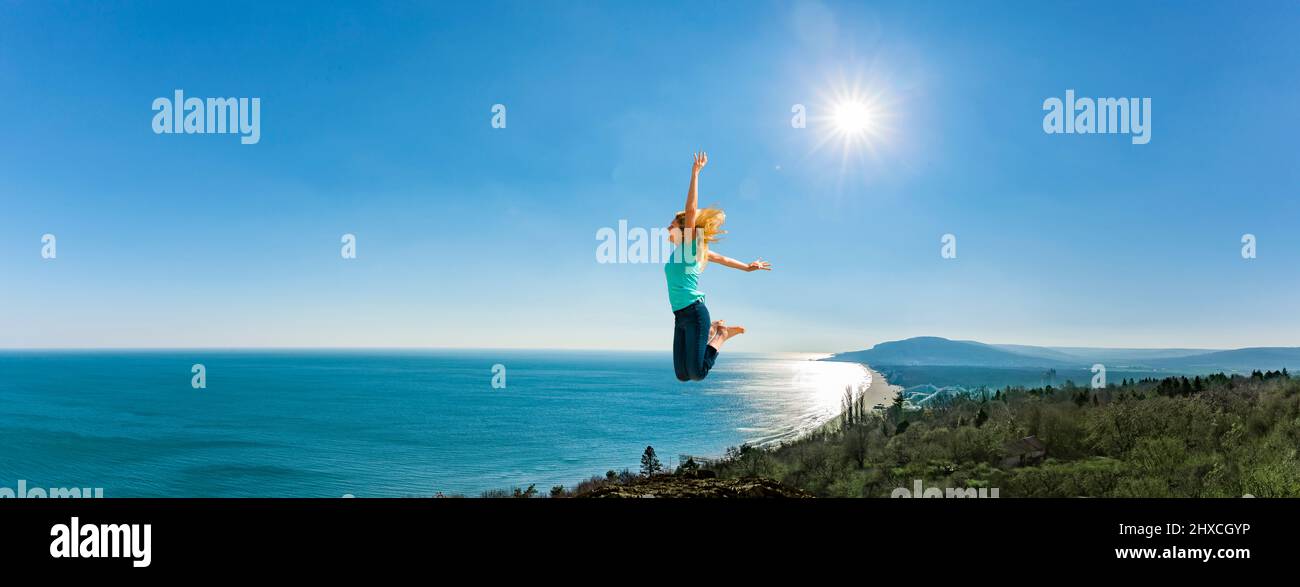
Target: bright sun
(855, 120)
(852, 118)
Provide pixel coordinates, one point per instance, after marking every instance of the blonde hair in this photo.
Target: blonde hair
(708, 229)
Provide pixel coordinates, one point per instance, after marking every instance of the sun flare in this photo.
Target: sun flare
(856, 121)
(853, 118)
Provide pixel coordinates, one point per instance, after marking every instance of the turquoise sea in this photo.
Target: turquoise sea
(383, 423)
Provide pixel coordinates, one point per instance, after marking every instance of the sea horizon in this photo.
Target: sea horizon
(327, 422)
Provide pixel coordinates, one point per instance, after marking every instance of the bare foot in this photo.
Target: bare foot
(725, 333)
(713, 328)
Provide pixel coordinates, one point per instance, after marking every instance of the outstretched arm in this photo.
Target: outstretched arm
(759, 265)
(692, 200)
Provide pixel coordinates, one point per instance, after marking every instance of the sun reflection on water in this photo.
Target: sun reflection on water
(825, 382)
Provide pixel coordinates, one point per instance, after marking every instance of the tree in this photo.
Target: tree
(896, 409)
(847, 405)
(526, 493)
(856, 440)
(650, 464)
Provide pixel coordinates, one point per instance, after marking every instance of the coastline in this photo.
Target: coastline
(881, 391)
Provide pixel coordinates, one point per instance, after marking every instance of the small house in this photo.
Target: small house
(1026, 451)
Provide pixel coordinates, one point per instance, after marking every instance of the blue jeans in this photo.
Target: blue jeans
(692, 355)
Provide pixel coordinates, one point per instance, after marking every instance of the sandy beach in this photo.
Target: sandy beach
(880, 391)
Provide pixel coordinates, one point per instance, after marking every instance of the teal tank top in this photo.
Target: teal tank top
(683, 279)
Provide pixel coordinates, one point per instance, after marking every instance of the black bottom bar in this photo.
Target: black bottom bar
(575, 535)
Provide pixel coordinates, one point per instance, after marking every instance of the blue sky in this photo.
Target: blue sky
(375, 121)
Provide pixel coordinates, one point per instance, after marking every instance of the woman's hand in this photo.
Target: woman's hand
(701, 159)
(759, 265)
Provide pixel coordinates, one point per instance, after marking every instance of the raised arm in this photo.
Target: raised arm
(692, 199)
(759, 265)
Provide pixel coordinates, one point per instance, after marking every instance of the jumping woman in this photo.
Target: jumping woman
(696, 341)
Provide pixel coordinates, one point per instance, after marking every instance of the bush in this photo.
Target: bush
(1214, 436)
